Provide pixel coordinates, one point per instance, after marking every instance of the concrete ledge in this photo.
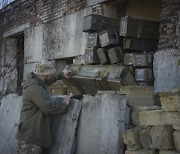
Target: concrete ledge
(16, 30)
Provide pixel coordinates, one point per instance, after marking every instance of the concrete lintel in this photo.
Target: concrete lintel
(16, 30)
(94, 2)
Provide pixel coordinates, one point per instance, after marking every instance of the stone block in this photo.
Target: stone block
(131, 138)
(145, 138)
(63, 129)
(170, 101)
(101, 124)
(168, 152)
(137, 109)
(9, 117)
(67, 38)
(33, 44)
(138, 96)
(142, 151)
(152, 117)
(162, 137)
(166, 70)
(173, 118)
(177, 140)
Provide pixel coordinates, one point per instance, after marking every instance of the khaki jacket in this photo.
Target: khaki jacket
(34, 125)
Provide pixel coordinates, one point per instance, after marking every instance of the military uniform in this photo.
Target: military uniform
(27, 148)
(34, 125)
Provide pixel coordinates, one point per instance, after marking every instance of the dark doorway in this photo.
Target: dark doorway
(20, 62)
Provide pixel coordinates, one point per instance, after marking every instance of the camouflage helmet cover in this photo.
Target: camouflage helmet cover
(44, 69)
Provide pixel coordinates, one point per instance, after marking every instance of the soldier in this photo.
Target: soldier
(33, 132)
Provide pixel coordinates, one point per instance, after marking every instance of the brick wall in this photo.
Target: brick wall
(170, 24)
(36, 12)
(53, 9)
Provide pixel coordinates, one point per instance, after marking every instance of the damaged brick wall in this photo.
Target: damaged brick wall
(170, 24)
(36, 12)
(53, 9)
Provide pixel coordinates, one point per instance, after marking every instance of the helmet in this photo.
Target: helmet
(44, 68)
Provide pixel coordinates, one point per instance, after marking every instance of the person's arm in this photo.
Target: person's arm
(57, 76)
(43, 100)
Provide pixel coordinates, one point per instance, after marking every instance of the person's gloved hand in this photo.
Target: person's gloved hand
(66, 99)
(66, 72)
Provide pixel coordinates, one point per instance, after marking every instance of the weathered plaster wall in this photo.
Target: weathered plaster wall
(28, 68)
(67, 38)
(33, 44)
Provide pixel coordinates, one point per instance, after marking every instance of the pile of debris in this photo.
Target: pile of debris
(157, 128)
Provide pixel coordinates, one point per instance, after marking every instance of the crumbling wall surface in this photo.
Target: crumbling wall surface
(167, 70)
(9, 119)
(157, 128)
(101, 124)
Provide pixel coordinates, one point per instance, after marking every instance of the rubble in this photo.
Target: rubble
(159, 126)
